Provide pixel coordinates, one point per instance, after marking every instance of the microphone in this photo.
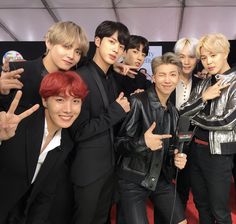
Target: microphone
(183, 133)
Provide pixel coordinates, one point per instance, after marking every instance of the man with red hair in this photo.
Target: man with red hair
(33, 160)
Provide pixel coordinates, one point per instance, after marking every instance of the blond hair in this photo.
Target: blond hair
(68, 33)
(167, 58)
(215, 42)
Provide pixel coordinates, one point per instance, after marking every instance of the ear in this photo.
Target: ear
(153, 78)
(48, 44)
(44, 101)
(225, 56)
(97, 41)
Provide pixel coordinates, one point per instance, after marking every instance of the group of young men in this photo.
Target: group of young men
(99, 130)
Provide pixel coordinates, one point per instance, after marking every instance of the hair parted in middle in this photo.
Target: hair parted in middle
(167, 58)
(108, 28)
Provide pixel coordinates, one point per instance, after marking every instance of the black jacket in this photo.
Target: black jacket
(31, 78)
(93, 130)
(137, 162)
(18, 160)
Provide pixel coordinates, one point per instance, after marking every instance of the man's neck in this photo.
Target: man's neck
(163, 98)
(101, 63)
(186, 78)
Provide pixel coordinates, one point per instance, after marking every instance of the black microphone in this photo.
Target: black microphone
(183, 133)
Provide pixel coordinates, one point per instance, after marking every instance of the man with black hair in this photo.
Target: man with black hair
(134, 55)
(92, 170)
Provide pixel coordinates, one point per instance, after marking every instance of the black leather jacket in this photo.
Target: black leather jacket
(137, 163)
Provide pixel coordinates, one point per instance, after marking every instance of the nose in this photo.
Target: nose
(116, 47)
(70, 53)
(186, 61)
(67, 107)
(209, 60)
(140, 56)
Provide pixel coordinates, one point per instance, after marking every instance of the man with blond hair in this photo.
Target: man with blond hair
(212, 110)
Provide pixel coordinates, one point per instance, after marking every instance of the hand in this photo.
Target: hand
(154, 141)
(9, 79)
(203, 74)
(124, 69)
(214, 91)
(123, 101)
(180, 159)
(9, 121)
(137, 91)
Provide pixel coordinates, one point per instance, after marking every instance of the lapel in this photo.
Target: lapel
(99, 85)
(104, 99)
(55, 157)
(34, 136)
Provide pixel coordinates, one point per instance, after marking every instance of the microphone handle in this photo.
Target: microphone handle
(181, 146)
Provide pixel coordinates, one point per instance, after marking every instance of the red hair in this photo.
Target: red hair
(67, 83)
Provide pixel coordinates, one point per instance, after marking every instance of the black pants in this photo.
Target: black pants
(134, 198)
(210, 181)
(93, 202)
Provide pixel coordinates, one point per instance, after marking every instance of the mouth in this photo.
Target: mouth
(67, 62)
(210, 68)
(65, 117)
(112, 57)
(137, 64)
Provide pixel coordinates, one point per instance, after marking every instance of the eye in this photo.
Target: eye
(77, 101)
(144, 55)
(213, 55)
(203, 58)
(78, 51)
(67, 46)
(111, 41)
(59, 99)
(122, 47)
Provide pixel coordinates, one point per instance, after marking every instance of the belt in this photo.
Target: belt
(200, 142)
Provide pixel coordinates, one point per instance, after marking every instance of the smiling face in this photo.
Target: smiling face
(61, 111)
(61, 56)
(214, 62)
(166, 79)
(134, 56)
(189, 61)
(108, 51)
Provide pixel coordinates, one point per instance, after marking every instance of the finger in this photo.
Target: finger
(219, 83)
(5, 66)
(166, 136)
(152, 127)
(11, 84)
(28, 112)
(121, 95)
(15, 102)
(132, 76)
(224, 86)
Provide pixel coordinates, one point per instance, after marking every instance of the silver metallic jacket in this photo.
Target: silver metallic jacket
(221, 122)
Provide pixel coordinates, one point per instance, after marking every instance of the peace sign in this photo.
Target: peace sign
(9, 120)
(214, 91)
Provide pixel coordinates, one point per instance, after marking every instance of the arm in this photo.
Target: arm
(9, 79)
(226, 121)
(195, 102)
(86, 126)
(132, 137)
(9, 120)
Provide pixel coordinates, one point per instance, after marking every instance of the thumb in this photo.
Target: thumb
(121, 95)
(152, 127)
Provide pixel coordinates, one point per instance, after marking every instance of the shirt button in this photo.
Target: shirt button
(153, 179)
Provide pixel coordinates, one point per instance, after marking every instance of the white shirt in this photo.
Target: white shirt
(182, 92)
(56, 141)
